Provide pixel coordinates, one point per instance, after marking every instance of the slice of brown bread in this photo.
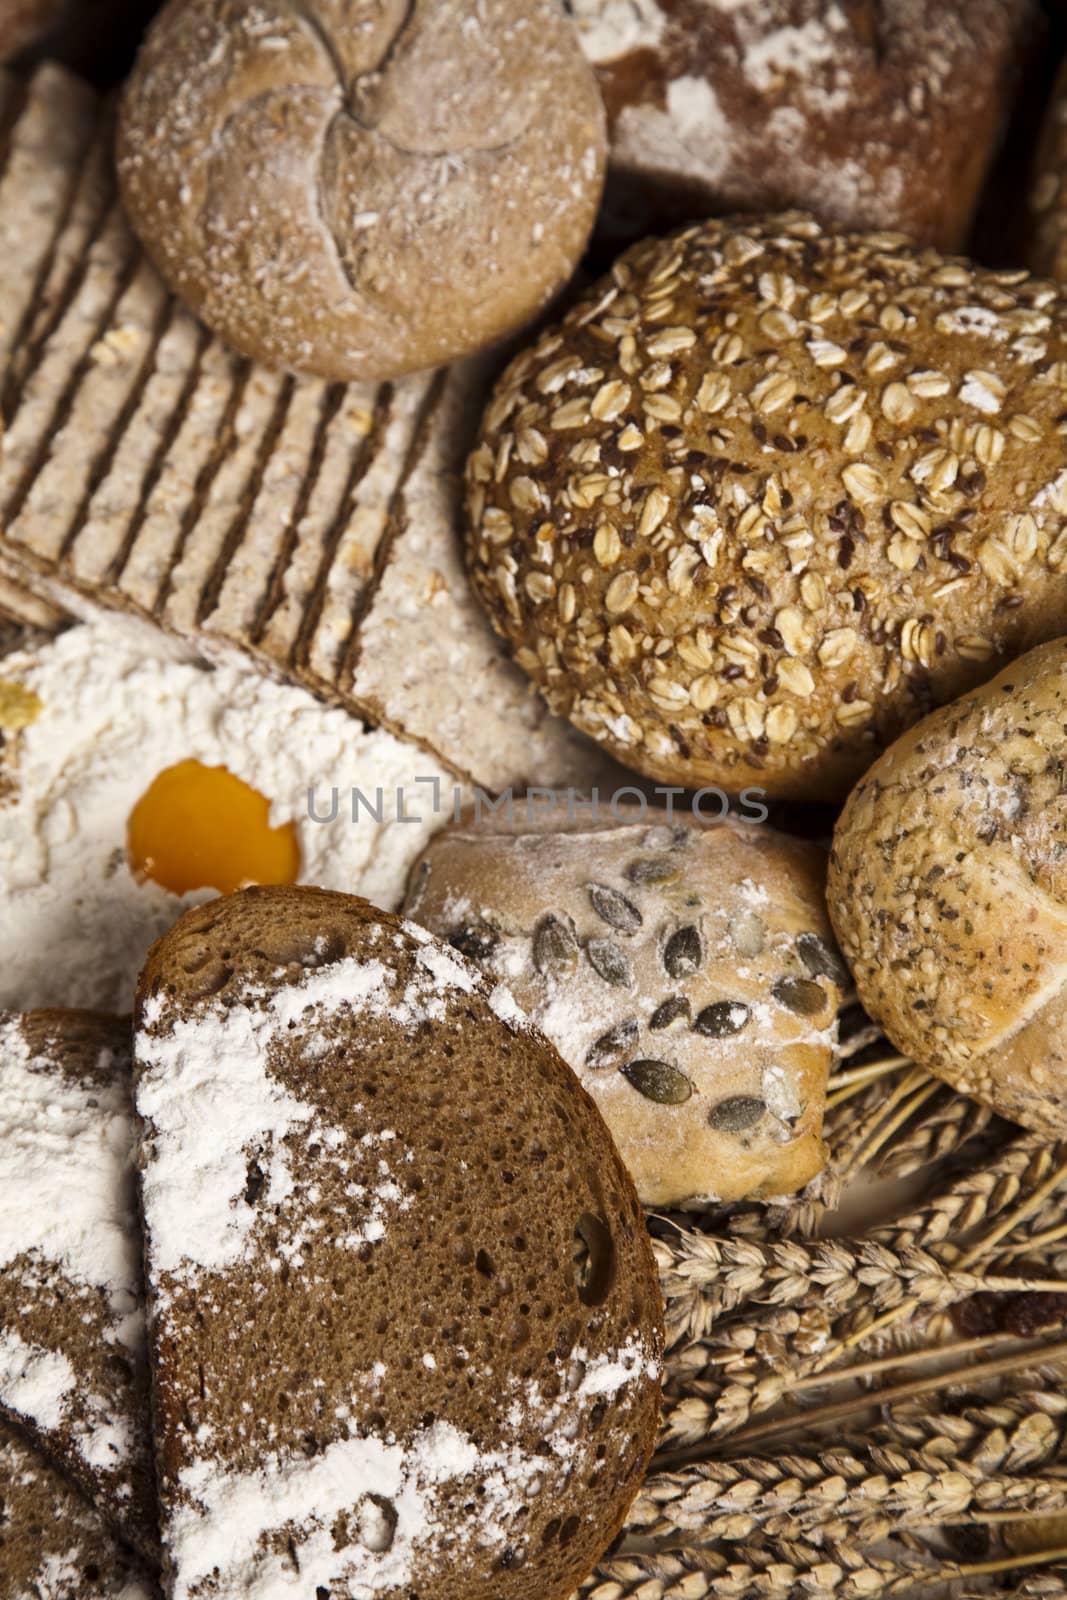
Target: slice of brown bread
(406, 1328)
(73, 1373)
(53, 1544)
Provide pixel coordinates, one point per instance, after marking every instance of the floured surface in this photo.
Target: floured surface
(147, 468)
(55, 1546)
(91, 719)
(873, 115)
(72, 1355)
(366, 1225)
(686, 974)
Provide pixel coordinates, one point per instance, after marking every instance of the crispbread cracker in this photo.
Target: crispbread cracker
(72, 1337)
(146, 467)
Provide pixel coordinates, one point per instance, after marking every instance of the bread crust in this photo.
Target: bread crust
(435, 1075)
(769, 492)
(948, 891)
(359, 199)
(875, 114)
(686, 972)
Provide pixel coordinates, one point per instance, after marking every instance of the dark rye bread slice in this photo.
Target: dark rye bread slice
(53, 1544)
(73, 1372)
(406, 1327)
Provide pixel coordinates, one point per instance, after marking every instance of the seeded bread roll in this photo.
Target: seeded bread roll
(768, 493)
(361, 195)
(73, 1372)
(1048, 193)
(686, 973)
(876, 113)
(407, 1326)
(53, 1545)
(948, 890)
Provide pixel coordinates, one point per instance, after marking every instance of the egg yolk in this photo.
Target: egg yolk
(198, 827)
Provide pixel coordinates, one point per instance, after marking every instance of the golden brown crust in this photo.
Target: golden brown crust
(357, 200)
(467, 1295)
(769, 492)
(872, 114)
(948, 891)
(686, 972)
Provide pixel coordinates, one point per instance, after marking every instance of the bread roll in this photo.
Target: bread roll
(948, 891)
(360, 192)
(686, 972)
(407, 1327)
(874, 114)
(769, 493)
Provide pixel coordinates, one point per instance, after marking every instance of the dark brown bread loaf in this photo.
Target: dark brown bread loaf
(871, 113)
(53, 1544)
(406, 1325)
(72, 1337)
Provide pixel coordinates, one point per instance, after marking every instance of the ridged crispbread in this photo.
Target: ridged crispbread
(53, 1544)
(405, 1327)
(72, 1338)
(146, 467)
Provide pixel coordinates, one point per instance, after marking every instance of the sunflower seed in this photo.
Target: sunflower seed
(820, 959)
(653, 869)
(555, 949)
(683, 952)
(618, 1041)
(737, 1113)
(746, 932)
(674, 1009)
(614, 908)
(659, 1081)
(610, 962)
(475, 939)
(723, 1019)
(799, 995)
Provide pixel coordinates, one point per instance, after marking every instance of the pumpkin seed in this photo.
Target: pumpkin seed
(555, 949)
(746, 932)
(611, 1045)
(659, 1081)
(800, 995)
(610, 962)
(683, 952)
(723, 1019)
(664, 837)
(474, 939)
(821, 959)
(735, 1114)
(653, 869)
(675, 1009)
(614, 908)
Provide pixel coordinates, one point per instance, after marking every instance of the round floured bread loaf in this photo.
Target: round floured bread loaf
(406, 1324)
(358, 191)
(948, 891)
(769, 493)
(687, 974)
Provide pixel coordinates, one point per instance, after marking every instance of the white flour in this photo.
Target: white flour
(117, 709)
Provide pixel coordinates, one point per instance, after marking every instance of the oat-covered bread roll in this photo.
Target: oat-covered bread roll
(1047, 250)
(769, 493)
(877, 113)
(687, 973)
(356, 191)
(948, 890)
(406, 1328)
